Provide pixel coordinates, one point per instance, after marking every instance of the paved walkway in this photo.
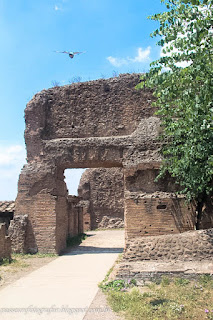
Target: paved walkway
(64, 288)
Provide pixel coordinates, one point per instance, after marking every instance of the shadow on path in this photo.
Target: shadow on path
(89, 250)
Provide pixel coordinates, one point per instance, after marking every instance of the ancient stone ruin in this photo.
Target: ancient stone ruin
(97, 124)
(102, 194)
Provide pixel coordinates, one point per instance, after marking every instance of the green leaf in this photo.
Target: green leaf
(184, 94)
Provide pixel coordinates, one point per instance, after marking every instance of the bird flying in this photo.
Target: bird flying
(71, 54)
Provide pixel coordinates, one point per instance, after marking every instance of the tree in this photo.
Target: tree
(182, 79)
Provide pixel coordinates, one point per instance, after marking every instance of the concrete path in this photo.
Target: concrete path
(64, 288)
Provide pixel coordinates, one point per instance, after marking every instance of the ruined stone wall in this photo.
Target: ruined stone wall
(187, 246)
(98, 124)
(104, 189)
(103, 123)
(101, 108)
(5, 243)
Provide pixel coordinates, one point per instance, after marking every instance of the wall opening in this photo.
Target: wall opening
(98, 193)
(72, 179)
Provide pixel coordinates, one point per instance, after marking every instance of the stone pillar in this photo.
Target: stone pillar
(85, 204)
(17, 233)
(42, 195)
(5, 243)
(75, 216)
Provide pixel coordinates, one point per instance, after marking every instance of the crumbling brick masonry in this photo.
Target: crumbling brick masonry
(97, 124)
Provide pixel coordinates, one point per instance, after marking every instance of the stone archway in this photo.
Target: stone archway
(103, 123)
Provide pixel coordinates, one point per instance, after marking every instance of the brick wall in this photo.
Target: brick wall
(152, 207)
(148, 216)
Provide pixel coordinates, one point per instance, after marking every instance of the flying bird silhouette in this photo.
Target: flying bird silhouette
(71, 54)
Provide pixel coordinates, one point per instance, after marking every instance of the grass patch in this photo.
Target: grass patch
(44, 255)
(169, 299)
(76, 240)
(117, 285)
(16, 261)
(5, 261)
(32, 255)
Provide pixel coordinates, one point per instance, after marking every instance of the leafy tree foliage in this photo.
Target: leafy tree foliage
(182, 80)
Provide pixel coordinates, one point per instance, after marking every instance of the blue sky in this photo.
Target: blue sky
(114, 34)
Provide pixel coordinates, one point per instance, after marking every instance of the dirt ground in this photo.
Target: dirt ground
(20, 266)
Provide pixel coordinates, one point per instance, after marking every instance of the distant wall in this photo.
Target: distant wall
(104, 190)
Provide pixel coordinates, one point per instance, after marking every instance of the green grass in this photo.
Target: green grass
(170, 299)
(14, 261)
(5, 261)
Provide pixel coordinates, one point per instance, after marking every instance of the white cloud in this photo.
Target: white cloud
(12, 159)
(10, 155)
(142, 56)
(117, 62)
